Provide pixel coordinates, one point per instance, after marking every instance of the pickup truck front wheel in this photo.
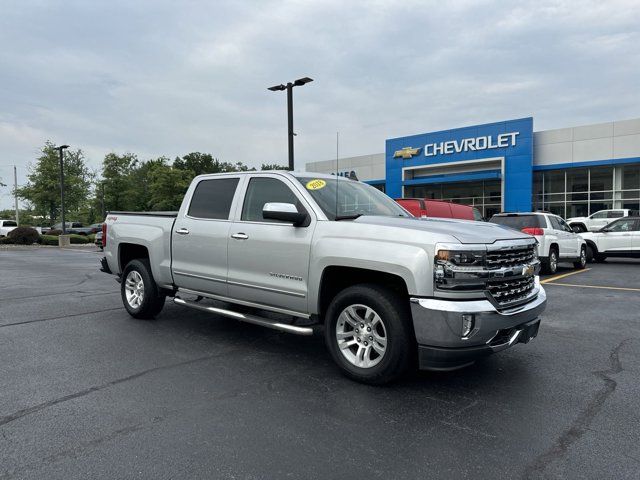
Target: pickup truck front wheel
(140, 295)
(368, 334)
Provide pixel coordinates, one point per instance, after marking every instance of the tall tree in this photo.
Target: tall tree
(167, 185)
(117, 180)
(197, 163)
(42, 190)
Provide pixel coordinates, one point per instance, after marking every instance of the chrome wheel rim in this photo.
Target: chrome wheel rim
(553, 261)
(134, 289)
(361, 336)
(583, 257)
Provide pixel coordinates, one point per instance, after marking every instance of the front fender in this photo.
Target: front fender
(409, 262)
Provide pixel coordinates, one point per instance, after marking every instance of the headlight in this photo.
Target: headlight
(460, 258)
(459, 269)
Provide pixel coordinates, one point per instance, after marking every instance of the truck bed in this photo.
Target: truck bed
(148, 214)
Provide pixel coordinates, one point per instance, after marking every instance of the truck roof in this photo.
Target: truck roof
(283, 172)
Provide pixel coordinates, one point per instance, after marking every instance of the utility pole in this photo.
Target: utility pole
(61, 150)
(15, 192)
(102, 199)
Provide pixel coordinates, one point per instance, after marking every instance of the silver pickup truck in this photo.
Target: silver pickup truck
(300, 252)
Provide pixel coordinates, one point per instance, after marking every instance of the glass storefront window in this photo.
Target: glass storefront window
(554, 181)
(631, 177)
(577, 181)
(601, 179)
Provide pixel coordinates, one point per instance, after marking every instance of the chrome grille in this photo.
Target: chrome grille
(511, 258)
(511, 291)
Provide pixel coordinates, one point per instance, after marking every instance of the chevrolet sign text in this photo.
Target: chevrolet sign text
(470, 144)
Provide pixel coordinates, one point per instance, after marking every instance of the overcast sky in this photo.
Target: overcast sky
(167, 78)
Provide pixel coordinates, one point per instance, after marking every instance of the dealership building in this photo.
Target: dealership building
(506, 166)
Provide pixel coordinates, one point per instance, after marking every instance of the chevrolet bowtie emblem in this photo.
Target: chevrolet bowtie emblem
(406, 152)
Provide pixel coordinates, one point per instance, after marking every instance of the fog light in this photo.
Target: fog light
(467, 324)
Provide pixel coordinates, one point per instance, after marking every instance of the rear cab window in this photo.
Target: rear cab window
(519, 221)
(9, 223)
(212, 198)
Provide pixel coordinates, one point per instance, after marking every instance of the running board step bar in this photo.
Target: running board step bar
(245, 317)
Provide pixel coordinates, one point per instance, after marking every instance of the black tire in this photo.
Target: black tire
(550, 265)
(394, 313)
(590, 253)
(600, 257)
(582, 262)
(152, 297)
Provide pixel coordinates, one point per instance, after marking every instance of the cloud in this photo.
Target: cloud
(166, 78)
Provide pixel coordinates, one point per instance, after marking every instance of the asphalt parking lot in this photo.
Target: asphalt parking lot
(88, 392)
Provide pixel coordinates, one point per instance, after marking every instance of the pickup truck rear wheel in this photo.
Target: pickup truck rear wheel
(368, 334)
(140, 295)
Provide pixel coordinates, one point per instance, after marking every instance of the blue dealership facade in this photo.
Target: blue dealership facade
(507, 166)
(441, 157)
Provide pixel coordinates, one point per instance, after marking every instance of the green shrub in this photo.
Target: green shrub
(54, 232)
(92, 237)
(6, 241)
(48, 240)
(79, 239)
(24, 235)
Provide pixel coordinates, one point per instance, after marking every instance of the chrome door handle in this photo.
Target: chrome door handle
(240, 236)
(182, 231)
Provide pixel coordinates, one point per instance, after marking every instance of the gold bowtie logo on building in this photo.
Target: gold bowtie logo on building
(406, 152)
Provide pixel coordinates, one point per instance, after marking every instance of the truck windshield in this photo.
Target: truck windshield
(353, 198)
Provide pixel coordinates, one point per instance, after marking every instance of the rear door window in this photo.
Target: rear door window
(519, 221)
(212, 198)
(9, 223)
(555, 223)
(615, 214)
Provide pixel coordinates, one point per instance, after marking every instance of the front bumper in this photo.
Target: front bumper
(438, 327)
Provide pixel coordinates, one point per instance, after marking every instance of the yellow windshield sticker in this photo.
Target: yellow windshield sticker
(316, 184)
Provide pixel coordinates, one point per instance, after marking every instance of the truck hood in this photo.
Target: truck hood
(465, 231)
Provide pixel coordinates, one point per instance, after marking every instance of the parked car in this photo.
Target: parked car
(419, 207)
(6, 226)
(98, 240)
(557, 242)
(620, 238)
(387, 287)
(95, 227)
(76, 228)
(597, 220)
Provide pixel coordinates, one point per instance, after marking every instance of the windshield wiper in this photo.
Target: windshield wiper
(348, 217)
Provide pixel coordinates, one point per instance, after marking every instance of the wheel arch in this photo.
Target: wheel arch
(335, 278)
(131, 251)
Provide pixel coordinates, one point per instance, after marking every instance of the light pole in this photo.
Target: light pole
(60, 150)
(289, 88)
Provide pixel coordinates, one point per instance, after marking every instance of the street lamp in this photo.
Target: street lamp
(289, 88)
(60, 149)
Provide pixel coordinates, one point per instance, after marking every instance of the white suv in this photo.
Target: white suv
(597, 220)
(557, 242)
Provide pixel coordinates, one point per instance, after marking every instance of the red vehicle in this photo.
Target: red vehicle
(420, 207)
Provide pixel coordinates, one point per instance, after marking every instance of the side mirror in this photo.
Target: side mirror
(603, 230)
(284, 212)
